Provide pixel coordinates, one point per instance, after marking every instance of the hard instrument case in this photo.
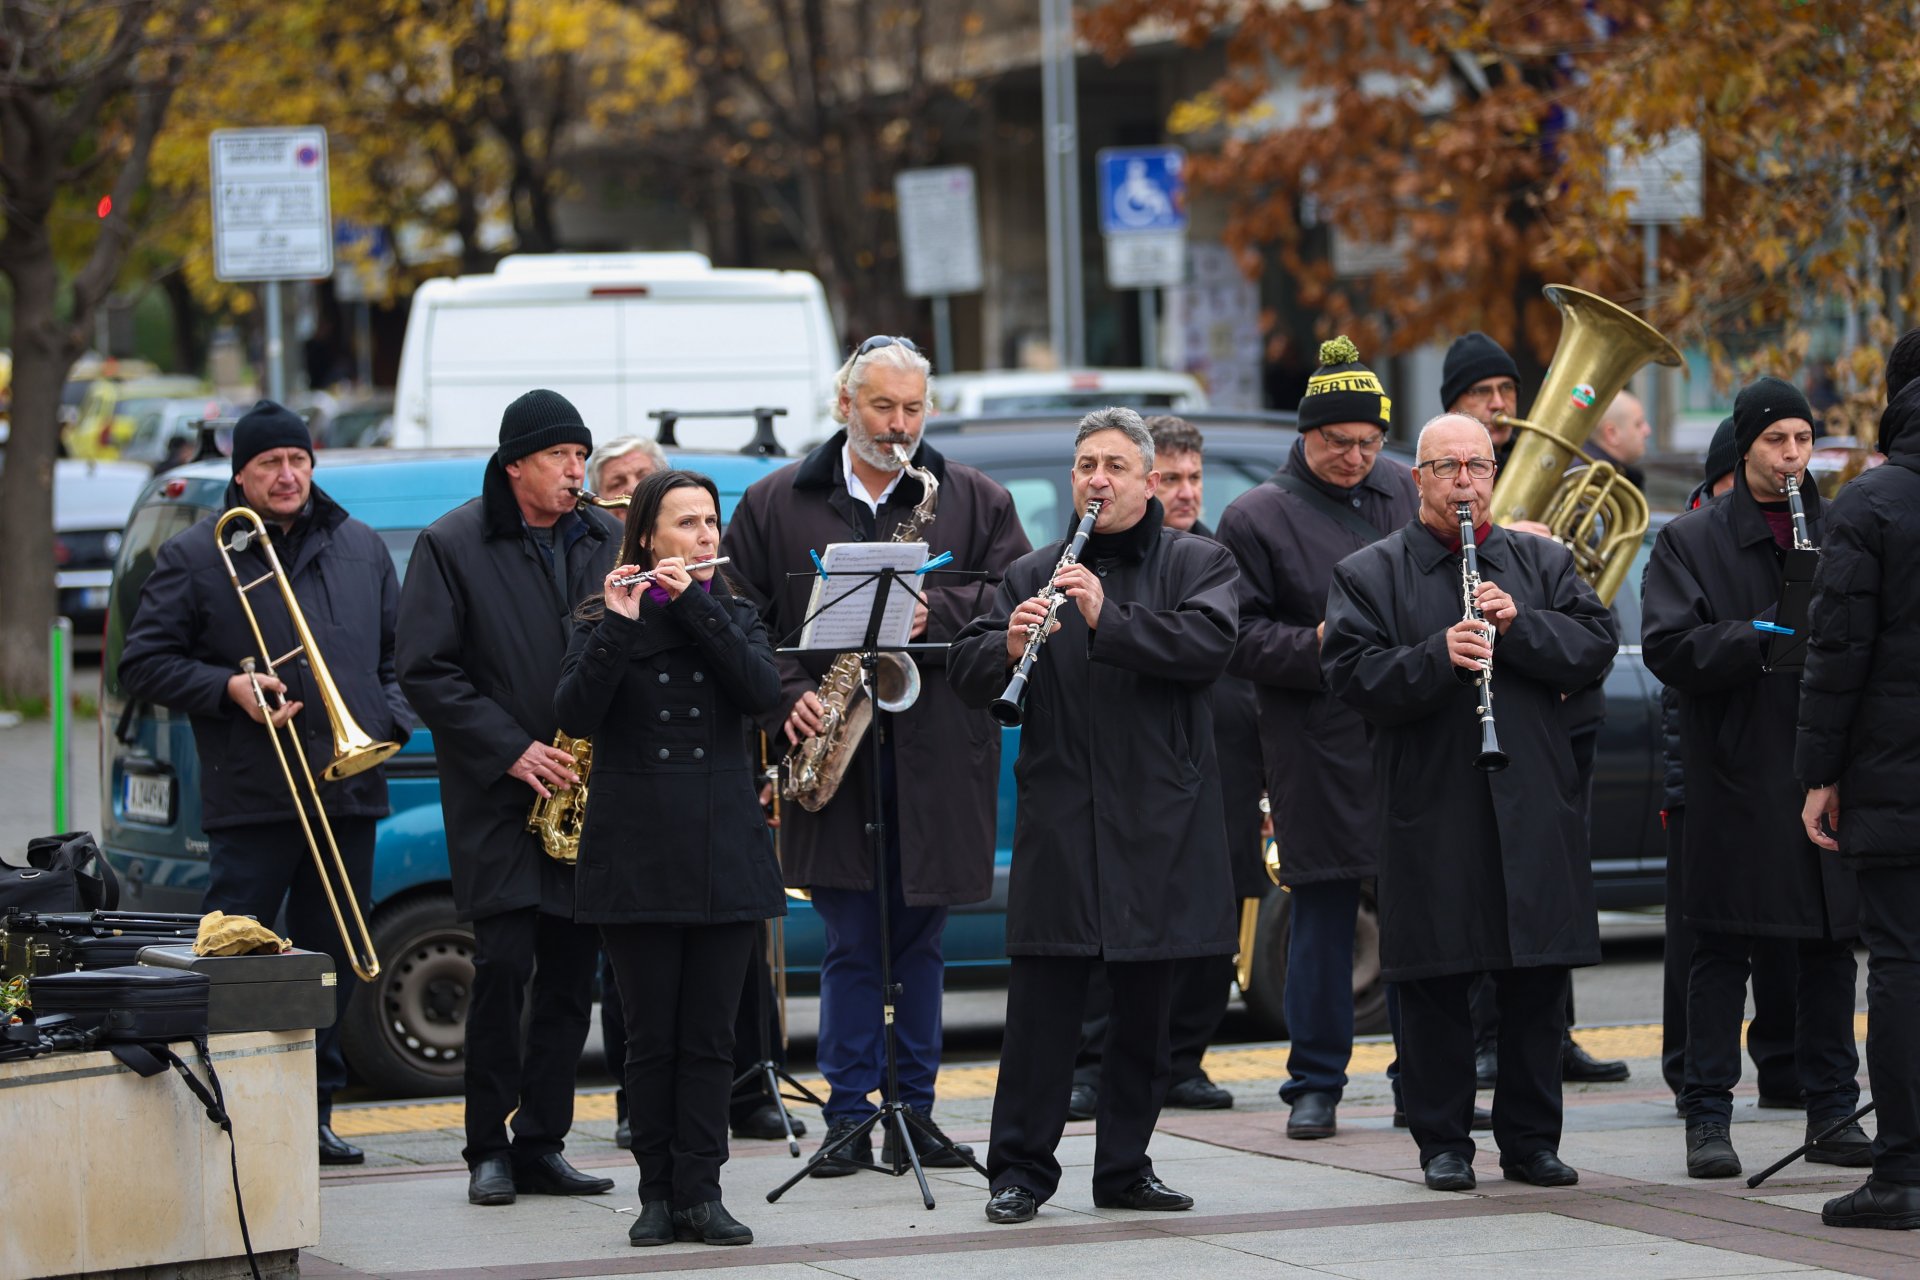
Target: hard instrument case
(286, 992)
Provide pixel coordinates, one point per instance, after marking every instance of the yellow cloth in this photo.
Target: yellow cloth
(224, 935)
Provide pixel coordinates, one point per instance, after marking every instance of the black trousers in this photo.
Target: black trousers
(1036, 1072)
(254, 870)
(1890, 926)
(519, 955)
(1202, 986)
(1824, 1055)
(1770, 1034)
(680, 987)
(1436, 1062)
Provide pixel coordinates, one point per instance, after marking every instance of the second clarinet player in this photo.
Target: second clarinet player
(1119, 852)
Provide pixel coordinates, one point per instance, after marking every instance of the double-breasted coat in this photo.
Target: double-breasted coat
(946, 757)
(1119, 847)
(483, 630)
(1319, 769)
(1478, 871)
(1750, 868)
(674, 832)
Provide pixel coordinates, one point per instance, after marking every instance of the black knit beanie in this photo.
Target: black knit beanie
(539, 420)
(1721, 459)
(1761, 404)
(1343, 390)
(1470, 359)
(268, 426)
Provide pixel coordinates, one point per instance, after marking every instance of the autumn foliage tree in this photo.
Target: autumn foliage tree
(1474, 138)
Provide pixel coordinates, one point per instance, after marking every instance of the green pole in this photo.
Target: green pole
(60, 712)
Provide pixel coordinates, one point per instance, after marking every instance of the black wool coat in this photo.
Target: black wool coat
(482, 637)
(189, 634)
(1750, 867)
(946, 757)
(1477, 870)
(1119, 849)
(1236, 744)
(1319, 769)
(674, 833)
(1860, 698)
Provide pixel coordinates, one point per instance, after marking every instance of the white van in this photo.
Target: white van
(621, 335)
(1018, 391)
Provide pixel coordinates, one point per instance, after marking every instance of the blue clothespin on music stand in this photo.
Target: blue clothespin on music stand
(818, 568)
(939, 561)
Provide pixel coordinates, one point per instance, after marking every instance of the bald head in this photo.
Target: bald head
(1440, 434)
(1623, 430)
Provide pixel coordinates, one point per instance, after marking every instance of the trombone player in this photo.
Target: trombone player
(183, 652)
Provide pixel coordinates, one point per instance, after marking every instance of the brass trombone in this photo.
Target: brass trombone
(354, 751)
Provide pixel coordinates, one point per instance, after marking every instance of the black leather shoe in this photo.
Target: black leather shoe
(551, 1175)
(1481, 1122)
(1450, 1171)
(1082, 1102)
(1577, 1065)
(764, 1124)
(935, 1149)
(1199, 1094)
(623, 1134)
(1148, 1194)
(1542, 1169)
(847, 1159)
(1850, 1148)
(1012, 1204)
(1889, 1206)
(336, 1150)
(1710, 1152)
(1486, 1068)
(709, 1223)
(1313, 1116)
(491, 1182)
(653, 1226)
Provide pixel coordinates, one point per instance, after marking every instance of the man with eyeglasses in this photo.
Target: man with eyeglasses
(939, 762)
(1478, 378)
(1334, 496)
(1479, 872)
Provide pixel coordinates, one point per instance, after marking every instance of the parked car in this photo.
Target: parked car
(91, 503)
(1053, 391)
(110, 406)
(404, 1033)
(165, 430)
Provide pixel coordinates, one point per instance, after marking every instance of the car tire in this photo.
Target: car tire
(404, 1033)
(1266, 1000)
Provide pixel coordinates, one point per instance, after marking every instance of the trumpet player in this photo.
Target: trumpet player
(1480, 872)
(1750, 872)
(485, 618)
(184, 650)
(938, 762)
(1120, 852)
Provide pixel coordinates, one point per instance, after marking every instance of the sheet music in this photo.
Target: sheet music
(846, 595)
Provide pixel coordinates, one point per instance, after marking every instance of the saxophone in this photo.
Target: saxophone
(815, 766)
(558, 818)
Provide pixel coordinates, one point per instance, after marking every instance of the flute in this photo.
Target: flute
(646, 575)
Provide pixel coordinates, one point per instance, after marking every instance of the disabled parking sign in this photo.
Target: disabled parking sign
(1142, 189)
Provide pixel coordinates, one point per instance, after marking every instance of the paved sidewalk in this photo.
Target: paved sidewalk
(1349, 1206)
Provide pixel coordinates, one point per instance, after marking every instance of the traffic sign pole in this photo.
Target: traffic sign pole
(276, 346)
(1150, 328)
(942, 334)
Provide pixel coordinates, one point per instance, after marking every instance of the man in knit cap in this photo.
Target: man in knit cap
(1478, 378)
(486, 615)
(1713, 586)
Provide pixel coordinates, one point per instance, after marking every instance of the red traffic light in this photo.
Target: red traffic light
(105, 206)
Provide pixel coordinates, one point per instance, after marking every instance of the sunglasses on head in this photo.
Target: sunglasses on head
(882, 340)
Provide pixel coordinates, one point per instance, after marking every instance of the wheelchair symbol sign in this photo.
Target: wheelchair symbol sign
(1142, 189)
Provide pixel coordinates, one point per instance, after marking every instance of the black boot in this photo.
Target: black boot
(709, 1223)
(653, 1226)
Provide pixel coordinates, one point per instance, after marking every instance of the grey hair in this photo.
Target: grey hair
(1420, 445)
(853, 374)
(620, 447)
(1122, 420)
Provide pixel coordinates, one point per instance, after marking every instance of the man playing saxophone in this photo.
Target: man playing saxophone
(938, 762)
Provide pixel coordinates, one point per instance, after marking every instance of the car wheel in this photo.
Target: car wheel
(404, 1033)
(1266, 1000)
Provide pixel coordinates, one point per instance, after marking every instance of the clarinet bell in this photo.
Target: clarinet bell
(1008, 709)
(1491, 758)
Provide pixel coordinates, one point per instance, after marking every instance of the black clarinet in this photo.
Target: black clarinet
(1491, 758)
(1009, 707)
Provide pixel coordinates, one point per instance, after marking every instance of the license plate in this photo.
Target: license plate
(148, 798)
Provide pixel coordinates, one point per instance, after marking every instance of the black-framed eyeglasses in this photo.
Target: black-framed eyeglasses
(880, 340)
(1448, 468)
(1341, 443)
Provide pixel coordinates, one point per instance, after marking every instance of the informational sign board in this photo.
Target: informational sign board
(1142, 189)
(939, 231)
(1663, 183)
(271, 215)
(1146, 259)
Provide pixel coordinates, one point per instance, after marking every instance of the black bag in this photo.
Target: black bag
(37, 942)
(61, 873)
(129, 1004)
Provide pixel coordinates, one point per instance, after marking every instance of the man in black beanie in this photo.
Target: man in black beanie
(1479, 379)
(486, 616)
(183, 652)
(1713, 587)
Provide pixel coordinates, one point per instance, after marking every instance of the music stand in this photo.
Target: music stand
(901, 1118)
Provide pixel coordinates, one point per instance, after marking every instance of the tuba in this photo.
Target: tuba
(1591, 508)
(816, 766)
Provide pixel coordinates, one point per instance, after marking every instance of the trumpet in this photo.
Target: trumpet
(354, 750)
(646, 575)
(1009, 708)
(1491, 758)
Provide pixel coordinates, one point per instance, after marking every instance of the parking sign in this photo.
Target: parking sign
(1142, 189)
(271, 218)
